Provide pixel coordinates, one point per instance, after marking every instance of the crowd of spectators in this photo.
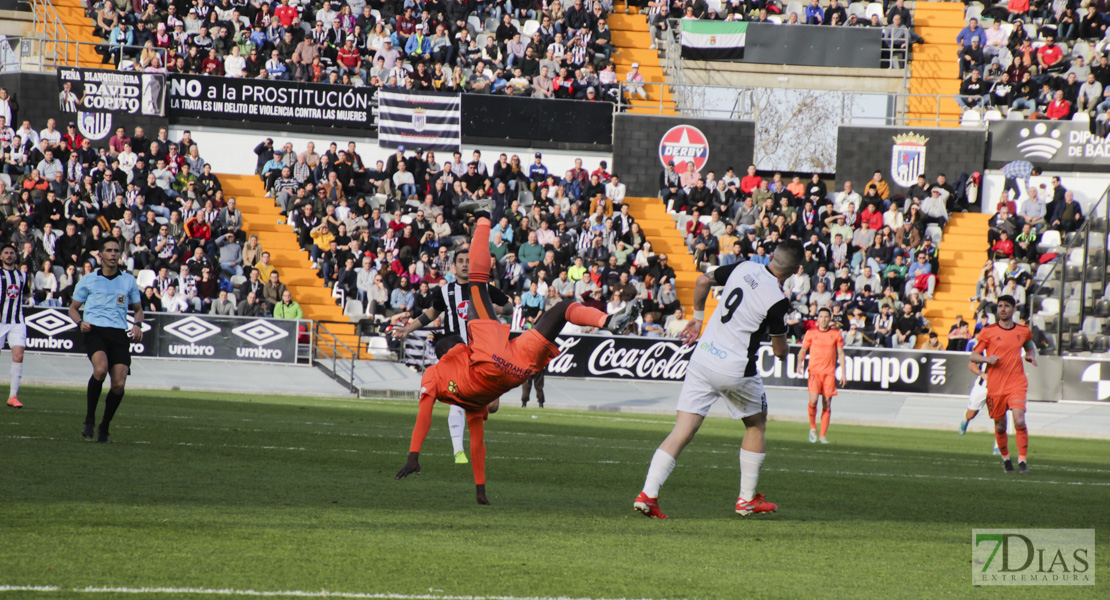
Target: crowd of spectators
(541, 48)
(870, 255)
(61, 195)
(1056, 70)
(386, 234)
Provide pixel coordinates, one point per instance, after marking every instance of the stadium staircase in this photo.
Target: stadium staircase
(935, 68)
(631, 43)
(80, 29)
(660, 229)
(961, 255)
(262, 217)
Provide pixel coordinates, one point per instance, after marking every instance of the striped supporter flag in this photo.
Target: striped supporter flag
(713, 40)
(419, 120)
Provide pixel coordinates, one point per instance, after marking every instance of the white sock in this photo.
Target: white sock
(456, 422)
(17, 375)
(750, 464)
(661, 466)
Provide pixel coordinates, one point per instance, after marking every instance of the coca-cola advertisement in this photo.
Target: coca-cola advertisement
(651, 359)
(655, 359)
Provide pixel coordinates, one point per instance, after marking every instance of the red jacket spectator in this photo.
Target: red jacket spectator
(1049, 55)
(1058, 108)
(285, 14)
(750, 181)
(348, 56)
(873, 218)
(1004, 248)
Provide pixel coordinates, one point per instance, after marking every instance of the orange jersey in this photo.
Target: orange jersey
(1007, 376)
(477, 373)
(822, 347)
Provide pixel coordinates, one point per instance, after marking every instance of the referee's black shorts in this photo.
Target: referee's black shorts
(113, 342)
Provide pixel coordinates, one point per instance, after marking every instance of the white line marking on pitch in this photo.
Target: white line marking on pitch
(1024, 480)
(275, 593)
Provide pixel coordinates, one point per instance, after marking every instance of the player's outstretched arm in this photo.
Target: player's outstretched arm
(429, 315)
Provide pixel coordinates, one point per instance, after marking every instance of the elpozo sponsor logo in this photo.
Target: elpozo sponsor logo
(259, 332)
(191, 330)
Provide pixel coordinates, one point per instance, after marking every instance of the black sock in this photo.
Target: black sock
(111, 403)
(92, 397)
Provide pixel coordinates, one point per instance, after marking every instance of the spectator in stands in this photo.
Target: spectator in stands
(972, 91)
(1068, 215)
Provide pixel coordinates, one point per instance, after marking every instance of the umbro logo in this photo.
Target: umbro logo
(260, 332)
(192, 329)
(50, 322)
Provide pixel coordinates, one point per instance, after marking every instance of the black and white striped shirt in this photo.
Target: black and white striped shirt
(454, 306)
(11, 310)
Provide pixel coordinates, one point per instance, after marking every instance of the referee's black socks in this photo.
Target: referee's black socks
(111, 403)
(92, 397)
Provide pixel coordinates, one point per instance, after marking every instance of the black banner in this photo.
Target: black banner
(1054, 145)
(271, 101)
(901, 153)
(497, 119)
(869, 369)
(116, 92)
(1085, 379)
(774, 44)
(176, 336)
(642, 144)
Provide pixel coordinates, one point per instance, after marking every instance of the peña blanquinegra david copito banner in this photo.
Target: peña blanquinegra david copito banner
(271, 101)
(176, 336)
(116, 92)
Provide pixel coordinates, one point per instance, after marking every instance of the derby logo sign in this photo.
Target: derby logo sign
(907, 158)
(684, 144)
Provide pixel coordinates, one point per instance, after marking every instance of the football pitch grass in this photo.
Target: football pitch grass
(222, 494)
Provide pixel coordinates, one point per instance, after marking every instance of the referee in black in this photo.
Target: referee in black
(453, 304)
(106, 295)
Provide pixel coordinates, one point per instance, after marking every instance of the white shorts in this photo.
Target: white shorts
(978, 398)
(16, 335)
(744, 396)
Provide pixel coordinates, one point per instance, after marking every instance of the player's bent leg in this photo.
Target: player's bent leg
(752, 453)
(1002, 440)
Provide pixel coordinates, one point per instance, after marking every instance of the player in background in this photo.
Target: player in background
(452, 303)
(723, 367)
(1000, 346)
(977, 399)
(12, 327)
(825, 347)
(105, 296)
(474, 375)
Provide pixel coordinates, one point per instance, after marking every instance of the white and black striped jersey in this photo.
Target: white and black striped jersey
(751, 306)
(454, 306)
(15, 283)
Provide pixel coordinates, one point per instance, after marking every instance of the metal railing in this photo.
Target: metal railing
(44, 55)
(1073, 277)
(333, 356)
(46, 20)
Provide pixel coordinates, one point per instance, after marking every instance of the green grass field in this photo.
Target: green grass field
(283, 494)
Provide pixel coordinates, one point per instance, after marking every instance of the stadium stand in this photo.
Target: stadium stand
(1044, 62)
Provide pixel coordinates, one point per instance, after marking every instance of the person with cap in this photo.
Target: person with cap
(537, 172)
(388, 54)
(634, 82)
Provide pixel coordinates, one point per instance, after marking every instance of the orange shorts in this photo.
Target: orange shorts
(823, 384)
(477, 373)
(998, 404)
